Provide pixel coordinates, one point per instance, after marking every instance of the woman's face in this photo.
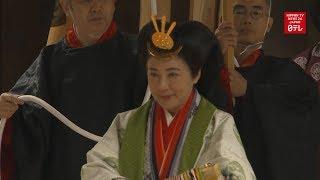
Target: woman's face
(170, 82)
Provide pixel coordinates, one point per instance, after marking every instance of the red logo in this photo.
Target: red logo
(295, 22)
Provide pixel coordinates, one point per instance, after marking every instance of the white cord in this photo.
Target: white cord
(252, 45)
(55, 113)
(59, 116)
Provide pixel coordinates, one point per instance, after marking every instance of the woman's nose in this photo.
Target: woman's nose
(163, 84)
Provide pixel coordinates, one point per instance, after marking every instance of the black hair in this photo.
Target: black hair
(198, 44)
(201, 51)
(143, 39)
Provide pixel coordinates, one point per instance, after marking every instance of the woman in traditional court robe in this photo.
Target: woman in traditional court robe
(178, 129)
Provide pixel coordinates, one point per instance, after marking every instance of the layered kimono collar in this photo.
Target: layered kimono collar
(137, 142)
(251, 59)
(74, 42)
(165, 142)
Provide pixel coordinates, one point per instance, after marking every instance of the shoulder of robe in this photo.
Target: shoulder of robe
(284, 66)
(53, 49)
(130, 41)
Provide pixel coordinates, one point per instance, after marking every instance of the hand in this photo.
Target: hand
(9, 104)
(226, 35)
(238, 84)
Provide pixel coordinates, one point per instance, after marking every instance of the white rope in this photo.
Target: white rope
(59, 116)
(55, 113)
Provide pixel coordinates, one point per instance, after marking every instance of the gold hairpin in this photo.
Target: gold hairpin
(162, 39)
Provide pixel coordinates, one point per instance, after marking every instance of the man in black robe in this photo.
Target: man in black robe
(309, 59)
(273, 98)
(89, 76)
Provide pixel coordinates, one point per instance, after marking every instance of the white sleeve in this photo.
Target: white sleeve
(224, 147)
(102, 159)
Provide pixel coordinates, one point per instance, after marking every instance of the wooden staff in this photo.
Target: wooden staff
(227, 15)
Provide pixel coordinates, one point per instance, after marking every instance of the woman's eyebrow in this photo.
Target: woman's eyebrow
(239, 7)
(173, 69)
(258, 7)
(152, 69)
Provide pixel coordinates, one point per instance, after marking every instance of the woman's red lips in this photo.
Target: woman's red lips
(166, 97)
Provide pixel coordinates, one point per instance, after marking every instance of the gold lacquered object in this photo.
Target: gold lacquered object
(162, 39)
(162, 44)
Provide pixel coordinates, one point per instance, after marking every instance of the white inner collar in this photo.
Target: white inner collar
(169, 117)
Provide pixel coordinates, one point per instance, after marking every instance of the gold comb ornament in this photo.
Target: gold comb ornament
(163, 45)
(162, 39)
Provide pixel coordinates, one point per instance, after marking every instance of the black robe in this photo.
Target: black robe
(90, 86)
(277, 119)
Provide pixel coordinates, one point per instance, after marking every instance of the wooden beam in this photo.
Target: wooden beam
(204, 11)
(164, 8)
(145, 12)
(196, 9)
(209, 15)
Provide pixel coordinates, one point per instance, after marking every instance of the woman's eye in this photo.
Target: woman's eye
(239, 11)
(153, 74)
(257, 12)
(85, 1)
(173, 75)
